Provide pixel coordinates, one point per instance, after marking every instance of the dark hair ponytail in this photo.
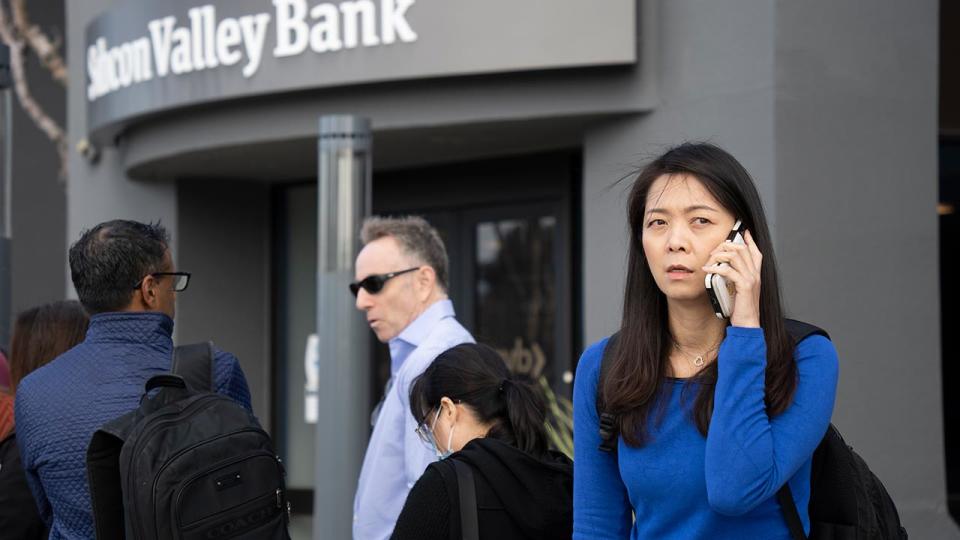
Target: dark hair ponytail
(476, 376)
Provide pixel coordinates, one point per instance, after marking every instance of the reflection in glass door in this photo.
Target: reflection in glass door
(515, 292)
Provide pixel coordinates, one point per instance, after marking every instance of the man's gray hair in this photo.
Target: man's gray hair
(416, 237)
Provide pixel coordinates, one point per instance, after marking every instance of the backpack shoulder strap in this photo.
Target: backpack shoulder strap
(103, 476)
(449, 474)
(800, 330)
(789, 509)
(194, 363)
(468, 501)
(609, 423)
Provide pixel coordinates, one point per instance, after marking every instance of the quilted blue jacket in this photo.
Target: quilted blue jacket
(60, 405)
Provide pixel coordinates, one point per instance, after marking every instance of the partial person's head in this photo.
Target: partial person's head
(681, 207)
(400, 272)
(468, 392)
(125, 265)
(43, 333)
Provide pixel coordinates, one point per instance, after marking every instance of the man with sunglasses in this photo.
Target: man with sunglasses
(401, 286)
(125, 277)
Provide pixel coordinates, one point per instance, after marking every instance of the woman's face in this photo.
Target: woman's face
(682, 224)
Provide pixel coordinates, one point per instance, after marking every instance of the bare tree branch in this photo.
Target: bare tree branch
(46, 124)
(46, 50)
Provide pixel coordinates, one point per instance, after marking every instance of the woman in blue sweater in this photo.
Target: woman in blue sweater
(714, 415)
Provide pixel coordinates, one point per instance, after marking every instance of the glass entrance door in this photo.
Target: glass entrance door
(508, 228)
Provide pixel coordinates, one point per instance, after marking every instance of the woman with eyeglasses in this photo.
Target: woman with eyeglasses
(472, 411)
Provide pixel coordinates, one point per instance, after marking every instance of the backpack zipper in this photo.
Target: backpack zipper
(226, 463)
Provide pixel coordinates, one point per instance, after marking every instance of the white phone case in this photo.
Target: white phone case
(719, 291)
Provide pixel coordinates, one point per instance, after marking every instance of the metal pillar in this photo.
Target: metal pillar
(6, 201)
(343, 425)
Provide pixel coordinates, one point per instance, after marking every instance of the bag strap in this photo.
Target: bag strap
(799, 331)
(449, 474)
(789, 509)
(103, 476)
(609, 424)
(468, 501)
(194, 363)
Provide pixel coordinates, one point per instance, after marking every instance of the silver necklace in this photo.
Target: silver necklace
(698, 359)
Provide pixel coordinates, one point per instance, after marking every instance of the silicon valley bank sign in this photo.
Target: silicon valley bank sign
(205, 42)
(145, 57)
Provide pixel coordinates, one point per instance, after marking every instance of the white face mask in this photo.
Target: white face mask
(441, 454)
(449, 451)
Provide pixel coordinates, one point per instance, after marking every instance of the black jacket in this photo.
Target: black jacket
(18, 511)
(518, 496)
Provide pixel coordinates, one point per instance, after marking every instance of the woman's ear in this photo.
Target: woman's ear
(449, 409)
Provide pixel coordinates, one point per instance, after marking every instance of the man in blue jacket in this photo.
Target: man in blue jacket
(124, 275)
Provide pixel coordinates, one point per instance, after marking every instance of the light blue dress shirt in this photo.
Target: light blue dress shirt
(395, 456)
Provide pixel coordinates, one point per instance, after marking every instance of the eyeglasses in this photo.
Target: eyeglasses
(180, 280)
(374, 283)
(426, 433)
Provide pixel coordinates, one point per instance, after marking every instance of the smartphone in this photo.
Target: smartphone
(719, 291)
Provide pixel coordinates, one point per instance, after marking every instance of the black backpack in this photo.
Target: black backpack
(188, 464)
(847, 501)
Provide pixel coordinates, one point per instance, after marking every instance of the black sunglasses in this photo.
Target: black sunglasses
(374, 283)
(180, 280)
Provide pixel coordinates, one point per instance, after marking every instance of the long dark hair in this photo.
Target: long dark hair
(476, 376)
(43, 333)
(632, 383)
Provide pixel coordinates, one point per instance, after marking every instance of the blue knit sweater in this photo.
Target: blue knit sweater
(60, 405)
(683, 485)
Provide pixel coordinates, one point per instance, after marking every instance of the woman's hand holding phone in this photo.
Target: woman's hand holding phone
(743, 270)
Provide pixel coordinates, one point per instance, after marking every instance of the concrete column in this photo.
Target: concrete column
(343, 425)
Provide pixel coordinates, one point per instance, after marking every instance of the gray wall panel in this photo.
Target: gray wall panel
(225, 241)
(856, 147)
(392, 107)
